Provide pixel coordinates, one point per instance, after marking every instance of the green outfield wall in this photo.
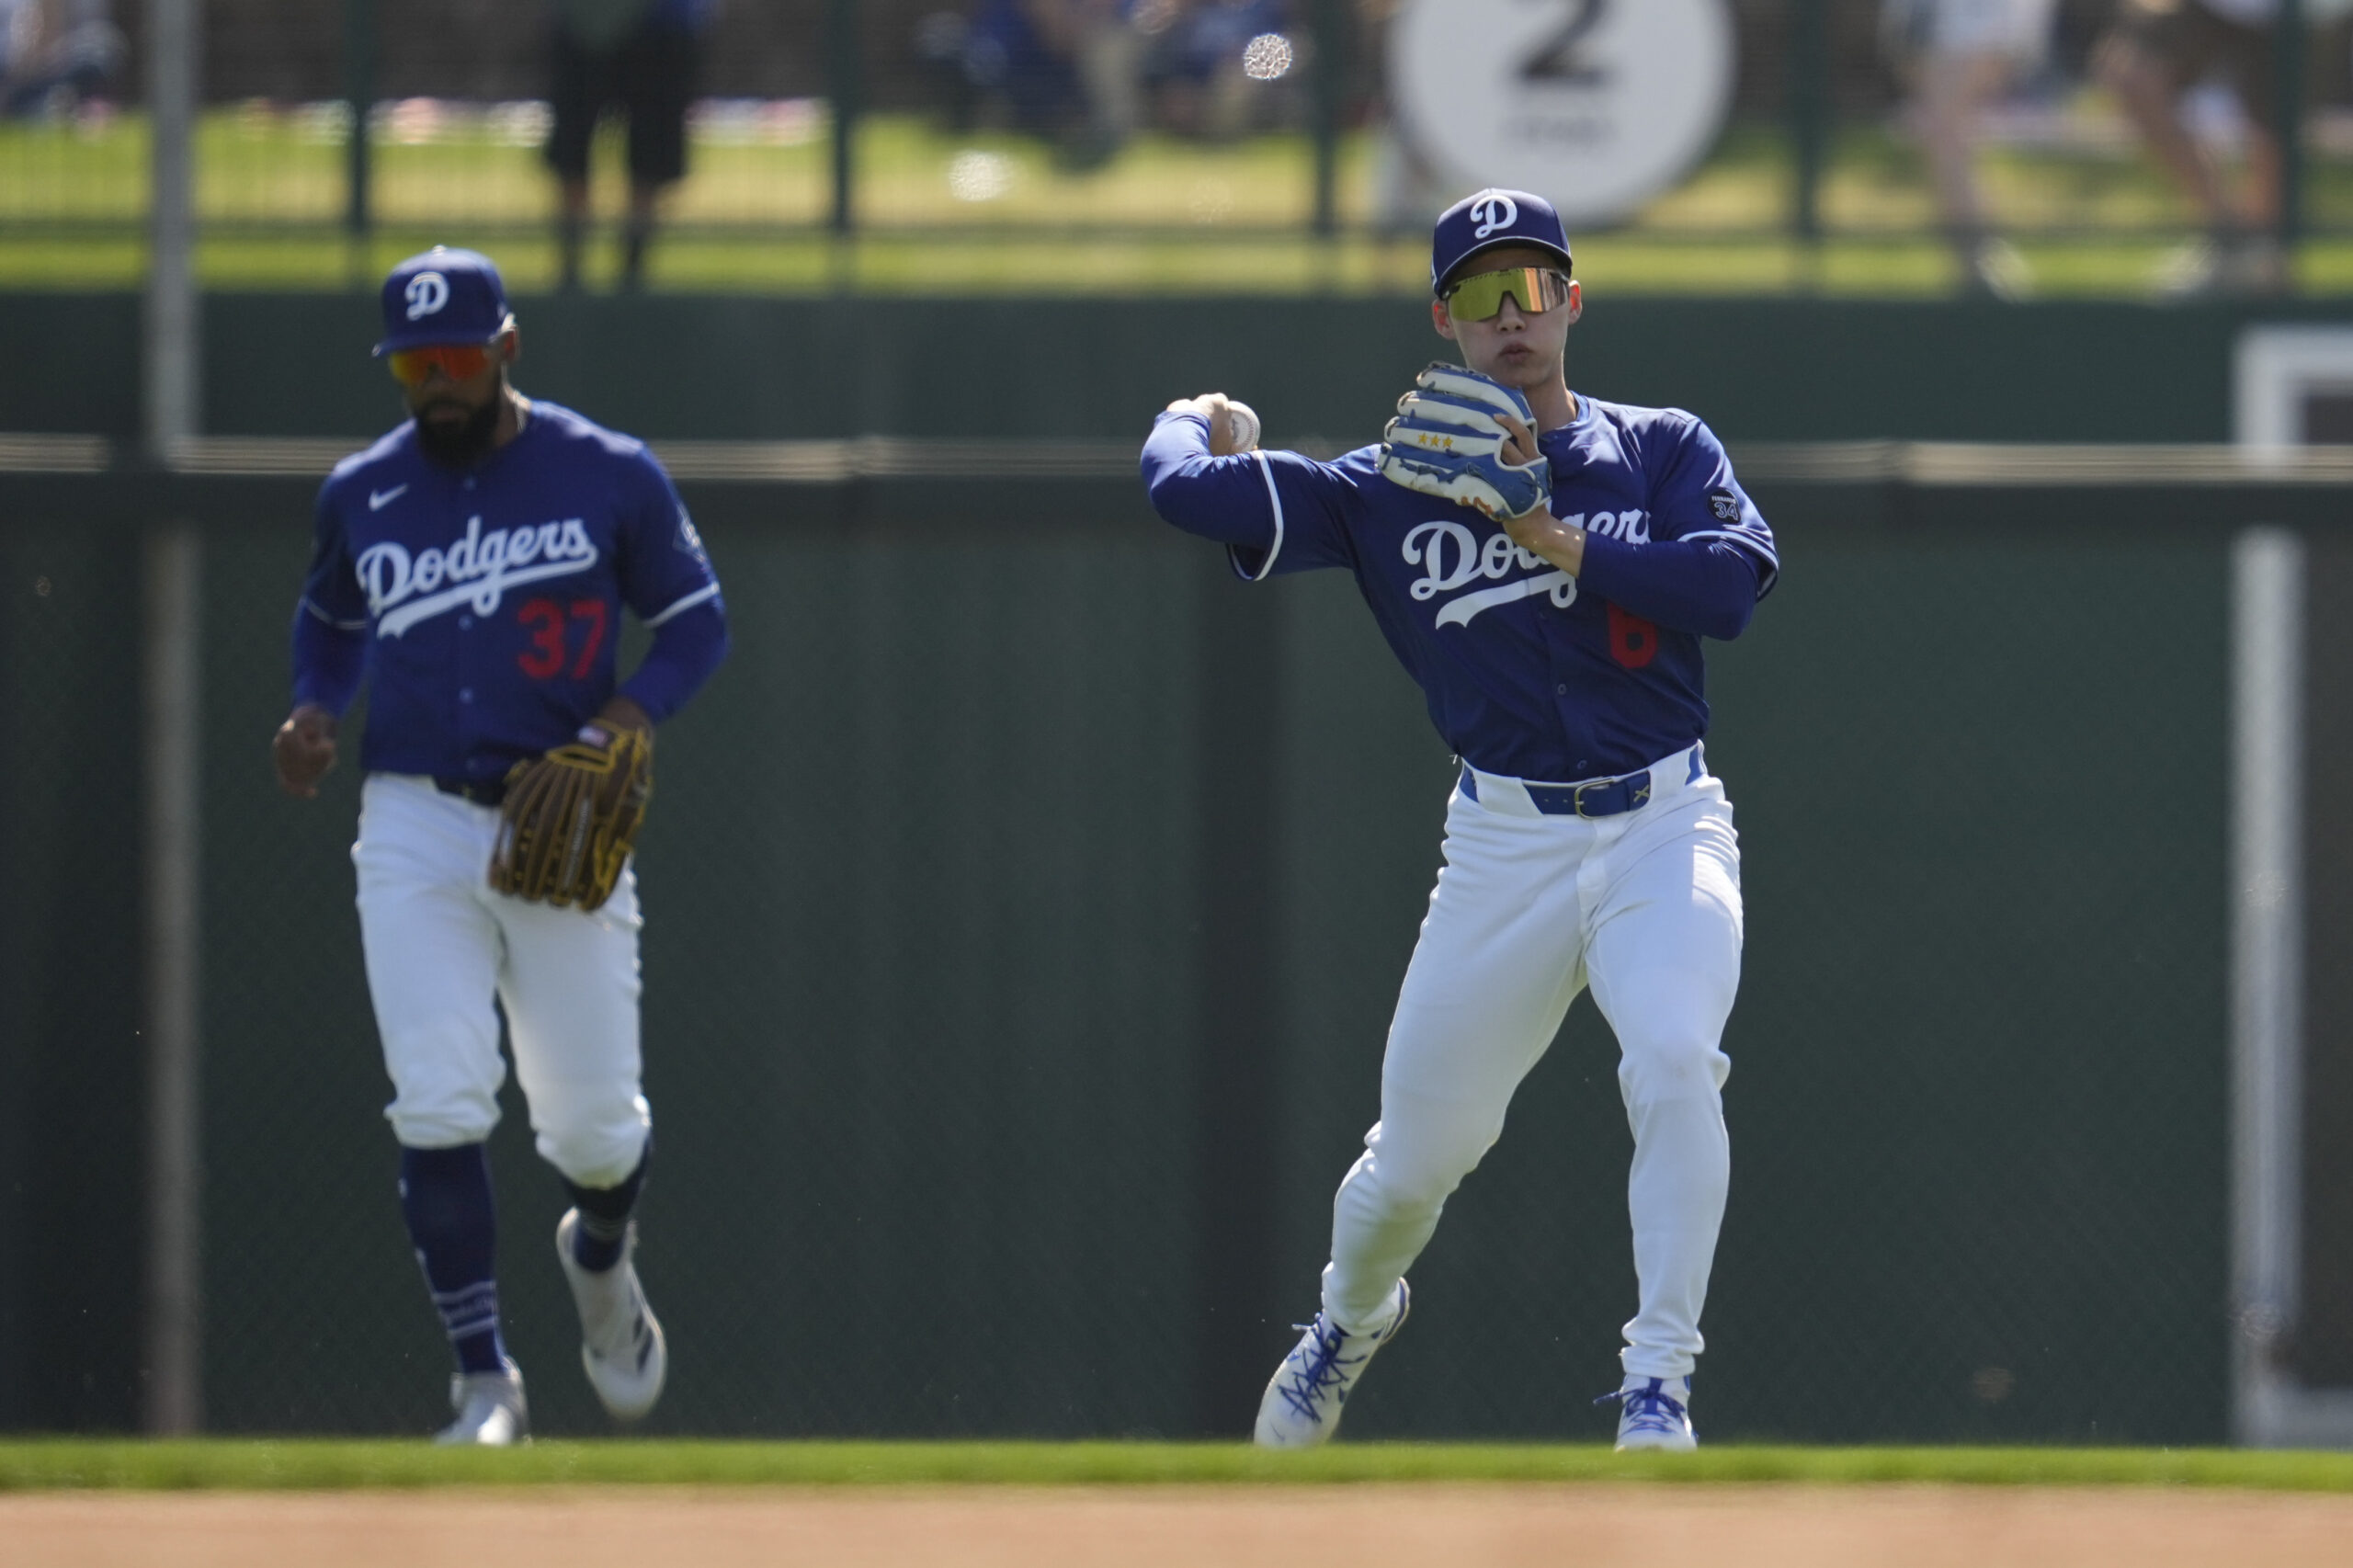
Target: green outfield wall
(745, 368)
(1025, 899)
(72, 1109)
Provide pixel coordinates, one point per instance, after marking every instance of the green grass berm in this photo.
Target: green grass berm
(1167, 215)
(331, 1464)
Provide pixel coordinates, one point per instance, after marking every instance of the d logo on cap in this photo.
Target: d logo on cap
(1495, 212)
(426, 292)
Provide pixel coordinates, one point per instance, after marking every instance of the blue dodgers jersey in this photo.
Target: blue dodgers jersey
(1525, 674)
(491, 597)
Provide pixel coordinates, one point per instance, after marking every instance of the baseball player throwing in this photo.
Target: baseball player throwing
(1544, 564)
(471, 568)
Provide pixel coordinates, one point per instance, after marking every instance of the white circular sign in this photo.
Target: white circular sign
(1596, 105)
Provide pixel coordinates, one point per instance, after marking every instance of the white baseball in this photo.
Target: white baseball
(1242, 425)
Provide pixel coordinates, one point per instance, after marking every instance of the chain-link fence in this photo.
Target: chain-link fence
(1242, 125)
(951, 888)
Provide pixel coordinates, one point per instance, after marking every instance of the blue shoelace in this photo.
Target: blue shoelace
(1650, 1408)
(1320, 1371)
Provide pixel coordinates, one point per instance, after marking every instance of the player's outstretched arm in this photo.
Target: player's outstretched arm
(1189, 483)
(1234, 426)
(303, 750)
(1273, 511)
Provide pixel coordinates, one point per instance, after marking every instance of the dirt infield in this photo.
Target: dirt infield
(1594, 1526)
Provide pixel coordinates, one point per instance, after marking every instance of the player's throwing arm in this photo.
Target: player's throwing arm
(1545, 564)
(471, 568)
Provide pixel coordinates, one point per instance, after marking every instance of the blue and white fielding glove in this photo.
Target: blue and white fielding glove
(1448, 438)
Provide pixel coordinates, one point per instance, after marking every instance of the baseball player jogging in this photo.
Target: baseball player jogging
(472, 567)
(1545, 566)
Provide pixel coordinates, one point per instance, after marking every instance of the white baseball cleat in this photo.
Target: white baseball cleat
(1301, 1407)
(1653, 1415)
(621, 1347)
(490, 1409)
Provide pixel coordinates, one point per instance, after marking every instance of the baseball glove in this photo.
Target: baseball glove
(571, 816)
(1448, 438)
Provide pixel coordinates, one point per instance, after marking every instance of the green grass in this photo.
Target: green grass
(323, 1464)
(1629, 263)
(1167, 215)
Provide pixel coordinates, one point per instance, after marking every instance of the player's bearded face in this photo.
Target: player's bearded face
(457, 421)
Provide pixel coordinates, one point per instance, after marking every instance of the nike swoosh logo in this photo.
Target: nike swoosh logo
(379, 499)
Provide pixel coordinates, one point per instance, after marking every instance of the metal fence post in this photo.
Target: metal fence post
(172, 1338)
(1809, 111)
(174, 1332)
(359, 92)
(2288, 63)
(1330, 23)
(842, 85)
(171, 328)
(2267, 571)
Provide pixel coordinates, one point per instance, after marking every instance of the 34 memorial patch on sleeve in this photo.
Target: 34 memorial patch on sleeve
(1724, 505)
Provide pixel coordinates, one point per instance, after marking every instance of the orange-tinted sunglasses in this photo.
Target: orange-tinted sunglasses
(458, 361)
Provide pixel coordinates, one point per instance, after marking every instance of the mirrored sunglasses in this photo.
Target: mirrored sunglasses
(458, 361)
(1481, 295)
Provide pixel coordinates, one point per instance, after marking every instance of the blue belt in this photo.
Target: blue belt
(1594, 797)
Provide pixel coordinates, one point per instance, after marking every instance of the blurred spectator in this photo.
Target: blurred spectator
(1960, 56)
(1408, 191)
(642, 57)
(1082, 72)
(55, 55)
(1110, 61)
(2155, 51)
(1200, 66)
(942, 40)
(1065, 70)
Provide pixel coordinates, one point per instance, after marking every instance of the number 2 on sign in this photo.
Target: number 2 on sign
(544, 658)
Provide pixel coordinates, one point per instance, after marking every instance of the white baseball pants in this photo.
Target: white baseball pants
(2021, 28)
(441, 946)
(1528, 912)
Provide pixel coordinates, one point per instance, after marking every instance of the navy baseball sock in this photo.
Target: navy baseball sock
(453, 1223)
(604, 1216)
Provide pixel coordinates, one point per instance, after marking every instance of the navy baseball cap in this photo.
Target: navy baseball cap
(1493, 218)
(443, 296)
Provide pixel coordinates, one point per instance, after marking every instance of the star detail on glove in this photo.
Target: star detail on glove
(1449, 440)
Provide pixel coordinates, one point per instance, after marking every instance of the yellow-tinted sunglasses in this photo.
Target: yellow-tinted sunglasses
(1481, 295)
